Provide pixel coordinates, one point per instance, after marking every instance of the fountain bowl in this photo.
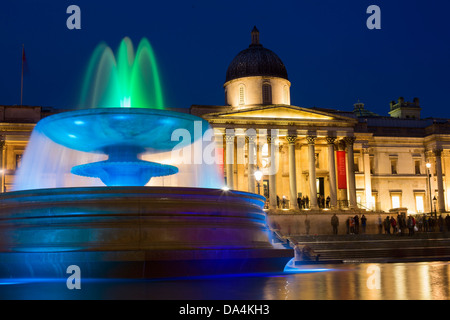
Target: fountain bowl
(135, 232)
(100, 130)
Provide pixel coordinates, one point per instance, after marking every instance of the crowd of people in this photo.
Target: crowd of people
(412, 224)
(401, 224)
(354, 225)
(302, 202)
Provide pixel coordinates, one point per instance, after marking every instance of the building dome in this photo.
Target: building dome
(256, 61)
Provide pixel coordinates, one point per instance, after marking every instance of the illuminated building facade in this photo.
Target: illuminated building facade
(337, 159)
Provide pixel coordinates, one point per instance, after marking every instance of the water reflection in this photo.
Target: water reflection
(396, 281)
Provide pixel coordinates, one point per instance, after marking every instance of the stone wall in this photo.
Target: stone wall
(320, 223)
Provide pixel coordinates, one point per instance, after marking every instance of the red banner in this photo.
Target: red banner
(341, 170)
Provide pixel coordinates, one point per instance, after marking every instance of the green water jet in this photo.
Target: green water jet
(127, 79)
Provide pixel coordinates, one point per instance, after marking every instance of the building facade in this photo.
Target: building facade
(300, 158)
(329, 158)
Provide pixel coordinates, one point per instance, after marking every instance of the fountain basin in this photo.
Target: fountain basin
(137, 232)
(103, 130)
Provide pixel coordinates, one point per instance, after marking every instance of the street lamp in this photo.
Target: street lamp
(258, 177)
(428, 165)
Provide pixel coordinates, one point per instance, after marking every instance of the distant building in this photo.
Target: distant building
(357, 158)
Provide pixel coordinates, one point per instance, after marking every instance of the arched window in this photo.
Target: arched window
(226, 97)
(241, 95)
(267, 93)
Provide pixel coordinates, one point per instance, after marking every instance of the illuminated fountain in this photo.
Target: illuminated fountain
(61, 213)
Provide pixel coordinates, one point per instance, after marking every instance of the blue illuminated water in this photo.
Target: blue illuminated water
(120, 147)
(398, 281)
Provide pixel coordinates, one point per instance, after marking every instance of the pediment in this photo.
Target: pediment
(277, 112)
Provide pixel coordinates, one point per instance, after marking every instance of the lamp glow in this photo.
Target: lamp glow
(258, 175)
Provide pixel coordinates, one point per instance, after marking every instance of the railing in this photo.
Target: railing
(341, 205)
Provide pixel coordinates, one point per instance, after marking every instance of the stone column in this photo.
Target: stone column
(440, 182)
(312, 172)
(351, 172)
(251, 163)
(272, 172)
(229, 150)
(332, 172)
(292, 171)
(367, 180)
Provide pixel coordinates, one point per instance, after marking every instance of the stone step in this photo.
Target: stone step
(377, 247)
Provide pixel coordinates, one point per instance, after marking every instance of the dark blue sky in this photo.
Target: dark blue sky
(331, 57)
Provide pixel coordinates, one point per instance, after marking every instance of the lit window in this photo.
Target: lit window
(394, 166)
(395, 201)
(18, 160)
(265, 150)
(417, 166)
(419, 204)
(356, 164)
(267, 93)
(241, 95)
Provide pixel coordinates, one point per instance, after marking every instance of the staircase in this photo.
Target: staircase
(379, 248)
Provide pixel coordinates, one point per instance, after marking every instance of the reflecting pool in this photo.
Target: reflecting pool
(384, 281)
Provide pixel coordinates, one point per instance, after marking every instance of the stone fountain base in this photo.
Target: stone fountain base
(135, 232)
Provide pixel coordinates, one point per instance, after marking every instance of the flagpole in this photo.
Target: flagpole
(21, 78)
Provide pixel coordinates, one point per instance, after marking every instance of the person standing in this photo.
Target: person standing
(351, 222)
(335, 223)
(447, 222)
(380, 224)
(356, 220)
(363, 223)
(307, 224)
(387, 225)
(394, 225)
(410, 225)
(441, 223)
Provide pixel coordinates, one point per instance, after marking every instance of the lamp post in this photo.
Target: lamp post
(428, 165)
(258, 177)
(434, 201)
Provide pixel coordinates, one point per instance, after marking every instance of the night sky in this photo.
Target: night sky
(332, 58)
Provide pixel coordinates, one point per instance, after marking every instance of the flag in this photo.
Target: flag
(24, 61)
(24, 70)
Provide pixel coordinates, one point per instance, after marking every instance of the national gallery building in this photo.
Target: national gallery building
(334, 159)
(301, 158)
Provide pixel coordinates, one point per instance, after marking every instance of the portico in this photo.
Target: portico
(294, 147)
